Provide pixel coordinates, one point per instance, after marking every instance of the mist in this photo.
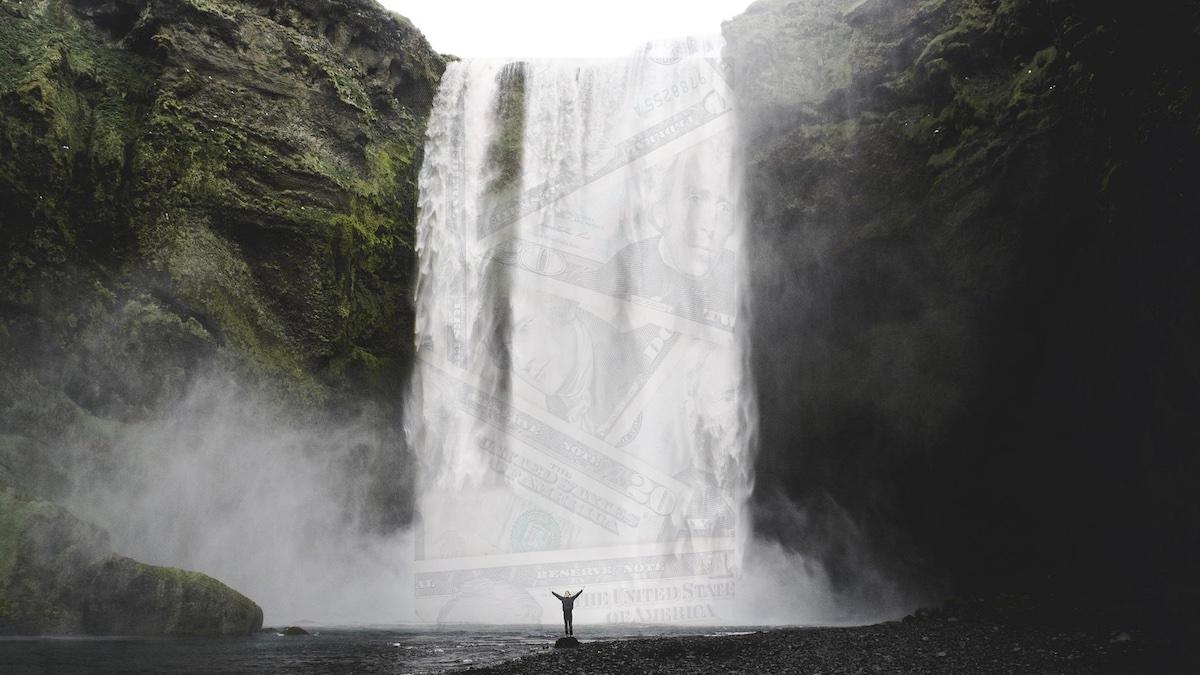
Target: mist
(256, 494)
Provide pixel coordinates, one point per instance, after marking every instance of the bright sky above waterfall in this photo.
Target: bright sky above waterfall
(559, 28)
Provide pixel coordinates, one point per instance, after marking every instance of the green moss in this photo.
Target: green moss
(16, 512)
(1033, 81)
(944, 158)
(73, 584)
(248, 166)
(202, 166)
(213, 278)
(214, 7)
(70, 103)
(968, 91)
(506, 150)
(323, 65)
(377, 224)
(168, 579)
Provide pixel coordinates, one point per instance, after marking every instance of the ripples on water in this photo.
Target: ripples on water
(359, 650)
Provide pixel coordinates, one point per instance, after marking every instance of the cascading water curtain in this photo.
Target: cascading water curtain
(580, 402)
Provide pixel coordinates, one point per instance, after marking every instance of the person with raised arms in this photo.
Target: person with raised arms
(568, 603)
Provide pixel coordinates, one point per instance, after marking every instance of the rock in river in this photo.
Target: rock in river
(566, 642)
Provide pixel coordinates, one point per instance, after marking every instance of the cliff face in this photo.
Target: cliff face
(210, 178)
(200, 186)
(974, 235)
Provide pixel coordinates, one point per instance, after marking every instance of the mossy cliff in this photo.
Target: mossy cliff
(58, 576)
(200, 186)
(975, 288)
(230, 178)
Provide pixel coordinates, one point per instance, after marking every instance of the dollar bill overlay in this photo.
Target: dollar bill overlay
(578, 407)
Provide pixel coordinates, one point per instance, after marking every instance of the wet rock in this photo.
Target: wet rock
(566, 642)
(58, 576)
(294, 630)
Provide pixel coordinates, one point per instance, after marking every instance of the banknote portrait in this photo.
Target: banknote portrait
(687, 267)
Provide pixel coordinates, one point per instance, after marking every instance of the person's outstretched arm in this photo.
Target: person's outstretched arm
(556, 595)
(579, 593)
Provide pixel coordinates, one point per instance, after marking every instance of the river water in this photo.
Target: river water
(326, 650)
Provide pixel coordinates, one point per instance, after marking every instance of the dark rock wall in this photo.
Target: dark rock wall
(975, 287)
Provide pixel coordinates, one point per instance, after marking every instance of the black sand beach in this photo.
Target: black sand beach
(970, 640)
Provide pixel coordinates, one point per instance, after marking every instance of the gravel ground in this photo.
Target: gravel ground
(944, 641)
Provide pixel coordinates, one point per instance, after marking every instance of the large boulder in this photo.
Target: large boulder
(58, 576)
(567, 642)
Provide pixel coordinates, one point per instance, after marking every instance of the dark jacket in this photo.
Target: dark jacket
(567, 602)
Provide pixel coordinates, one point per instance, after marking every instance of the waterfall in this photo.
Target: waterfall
(580, 408)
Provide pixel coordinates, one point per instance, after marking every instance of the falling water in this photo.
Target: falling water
(580, 408)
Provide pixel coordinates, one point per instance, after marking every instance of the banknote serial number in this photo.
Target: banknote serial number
(669, 93)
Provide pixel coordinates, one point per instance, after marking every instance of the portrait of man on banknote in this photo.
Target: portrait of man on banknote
(686, 269)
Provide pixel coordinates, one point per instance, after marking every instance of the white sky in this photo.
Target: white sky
(559, 28)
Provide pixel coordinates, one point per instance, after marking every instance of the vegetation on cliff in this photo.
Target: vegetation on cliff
(506, 149)
(200, 186)
(244, 170)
